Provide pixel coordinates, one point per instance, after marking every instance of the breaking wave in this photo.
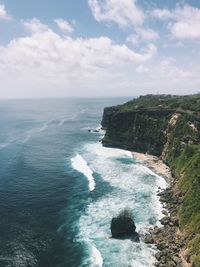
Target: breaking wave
(79, 164)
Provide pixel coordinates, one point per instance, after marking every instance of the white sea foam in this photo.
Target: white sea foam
(79, 164)
(161, 184)
(36, 130)
(95, 130)
(3, 145)
(84, 110)
(133, 186)
(96, 258)
(99, 130)
(62, 122)
(70, 118)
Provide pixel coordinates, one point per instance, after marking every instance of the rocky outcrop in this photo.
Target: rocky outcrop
(123, 226)
(171, 124)
(168, 239)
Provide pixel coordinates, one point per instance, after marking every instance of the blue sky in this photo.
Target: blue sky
(92, 48)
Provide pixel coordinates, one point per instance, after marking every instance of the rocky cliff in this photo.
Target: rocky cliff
(141, 130)
(169, 127)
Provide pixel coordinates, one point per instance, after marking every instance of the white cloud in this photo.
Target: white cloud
(64, 25)
(172, 44)
(147, 54)
(142, 34)
(147, 34)
(3, 13)
(142, 69)
(185, 21)
(169, 69)
(133, 39)
(123, 12)
(45, 59)
(162, 14)
(35, 26)
(187, 25)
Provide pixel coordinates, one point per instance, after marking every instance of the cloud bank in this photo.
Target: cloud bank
(123, 12)
(3, 13)
(53, 60)
(46, 58)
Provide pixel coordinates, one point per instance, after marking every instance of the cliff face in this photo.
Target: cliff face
(168, 127)
(139, 130)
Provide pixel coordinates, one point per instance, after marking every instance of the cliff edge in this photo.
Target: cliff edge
(168, 127)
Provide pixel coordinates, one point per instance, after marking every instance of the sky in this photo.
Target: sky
(97, 48)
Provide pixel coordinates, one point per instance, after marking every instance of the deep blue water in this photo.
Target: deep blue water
(59, 188)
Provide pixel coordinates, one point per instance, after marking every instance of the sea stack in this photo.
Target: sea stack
(123, 226)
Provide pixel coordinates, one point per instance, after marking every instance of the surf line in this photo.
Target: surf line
(96, 258)
(79, 164)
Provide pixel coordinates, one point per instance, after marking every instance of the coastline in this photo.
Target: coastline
(168, 239)
(167, 126)
(155, 164)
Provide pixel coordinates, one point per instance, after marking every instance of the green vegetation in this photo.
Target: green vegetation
(188, 170)
(191, 102)
(194, 249)
(142, 124)
(184, 159)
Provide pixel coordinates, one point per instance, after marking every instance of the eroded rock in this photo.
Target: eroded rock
(123, 226)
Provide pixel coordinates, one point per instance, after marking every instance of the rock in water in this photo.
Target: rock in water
(123, 226)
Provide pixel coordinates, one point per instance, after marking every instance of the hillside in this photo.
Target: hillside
(169, 127)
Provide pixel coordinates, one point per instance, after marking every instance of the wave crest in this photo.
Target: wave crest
(79, 164)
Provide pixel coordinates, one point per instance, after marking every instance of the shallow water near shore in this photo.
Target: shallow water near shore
(59, 188)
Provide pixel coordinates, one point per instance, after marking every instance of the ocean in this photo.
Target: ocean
(59, 188)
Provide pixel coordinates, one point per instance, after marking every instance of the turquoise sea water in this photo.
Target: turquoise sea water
(59, 188)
